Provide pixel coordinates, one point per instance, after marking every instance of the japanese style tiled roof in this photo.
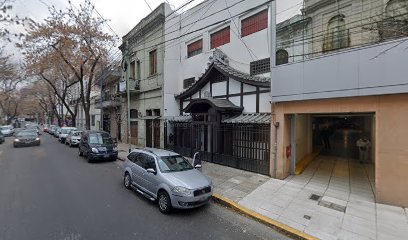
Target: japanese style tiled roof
(253, 118)
(241, 76)
(185, 118)
(226, 70)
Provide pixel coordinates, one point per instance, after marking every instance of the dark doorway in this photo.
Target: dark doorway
(156, 132)
(149, 124)
(337, 135)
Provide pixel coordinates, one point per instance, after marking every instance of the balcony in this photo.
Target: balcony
(108, 101)
(134, 86)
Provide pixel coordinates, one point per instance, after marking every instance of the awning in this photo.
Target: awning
(179, 119)
(203, 104)
(250, 118)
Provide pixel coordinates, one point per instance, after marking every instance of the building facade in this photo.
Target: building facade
(216, 83)
(351, 82)
(142, 71)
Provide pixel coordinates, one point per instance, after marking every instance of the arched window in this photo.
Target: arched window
(282, 57)
(337, 33)
(395, 23)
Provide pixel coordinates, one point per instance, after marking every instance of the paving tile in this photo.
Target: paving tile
(272, 208)
(392, 231)
(347, 235)
(291, 223)
(363, 227)
(297, 214)
(334, 200)
(266, 213)
(327, 225)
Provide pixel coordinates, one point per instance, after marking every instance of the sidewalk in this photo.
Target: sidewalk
(309, 203)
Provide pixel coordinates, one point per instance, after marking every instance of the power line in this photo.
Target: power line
(148, 5)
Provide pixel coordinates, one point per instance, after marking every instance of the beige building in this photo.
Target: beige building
(350, 84)
(142, 67)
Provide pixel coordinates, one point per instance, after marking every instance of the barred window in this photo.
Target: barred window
(153, 62)
(282, 57)
(220, 37)
(219, 78)
(195, 48)
(254, 23)
(188, 82)
(260, 66)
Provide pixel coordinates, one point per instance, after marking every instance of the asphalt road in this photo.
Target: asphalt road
(49, 192)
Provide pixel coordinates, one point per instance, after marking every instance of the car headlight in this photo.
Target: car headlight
(182, 191)
(16, 140)
(115, 149)
(95, 150)
(37, 139)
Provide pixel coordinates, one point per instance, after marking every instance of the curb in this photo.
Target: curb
(261, 218)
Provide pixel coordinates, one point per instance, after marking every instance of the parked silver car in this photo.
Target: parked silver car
(73, 138)
(64, 133)
(168, 178)
(7, 130)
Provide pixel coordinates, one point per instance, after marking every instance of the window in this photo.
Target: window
(220, 37)
(254, 23)
(133, 113)
(260, 66)
(132, 156)
(195, 48)
(93, 120)
(132, 69)
(395, 24)
(153, 62)
(149, 112)
(188, 82)
(156, 112)
(138, 70)
(337, 35)
(282, 57)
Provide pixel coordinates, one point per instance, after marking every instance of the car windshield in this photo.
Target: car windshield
(26, 134)
(65, 131)
(100, 138)
(76, 134)
(5, 127)
(175, 163)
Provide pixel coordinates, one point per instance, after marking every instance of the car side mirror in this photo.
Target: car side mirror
(196, 159)
(151, 170)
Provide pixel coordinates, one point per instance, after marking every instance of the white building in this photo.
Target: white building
(216, 84)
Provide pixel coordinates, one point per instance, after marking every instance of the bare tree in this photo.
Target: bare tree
(73, 37)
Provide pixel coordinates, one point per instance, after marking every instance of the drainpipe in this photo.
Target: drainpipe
(272, 24)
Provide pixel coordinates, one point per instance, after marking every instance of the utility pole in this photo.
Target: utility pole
(128, 109)
(101, 81)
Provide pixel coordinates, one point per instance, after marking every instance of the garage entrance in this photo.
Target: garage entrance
(334, 152)
(340, 136)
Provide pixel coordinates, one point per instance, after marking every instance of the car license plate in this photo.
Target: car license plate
(106, 155)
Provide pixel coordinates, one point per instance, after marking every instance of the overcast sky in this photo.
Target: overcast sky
(125, 14)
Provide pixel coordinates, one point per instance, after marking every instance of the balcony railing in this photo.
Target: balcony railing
(108, 101)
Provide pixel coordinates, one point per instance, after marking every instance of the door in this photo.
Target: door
(138, 171)
(156, 133)
(149, 126)
(133, 132)
(150, 180)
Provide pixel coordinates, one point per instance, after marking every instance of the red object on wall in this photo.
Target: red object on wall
(195, 48)
(220, 38)
(288, 151)
(254, 23)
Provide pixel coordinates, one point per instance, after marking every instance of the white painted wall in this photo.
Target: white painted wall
(201, 24)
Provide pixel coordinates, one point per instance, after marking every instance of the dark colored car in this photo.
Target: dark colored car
(97, 145)
(1, 138)
(26, 138)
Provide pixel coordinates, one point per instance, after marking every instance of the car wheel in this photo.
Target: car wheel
(127, 181)
(79, 152)
(164, 202)
(89, 158)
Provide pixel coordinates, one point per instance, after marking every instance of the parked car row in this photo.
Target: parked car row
(160, 175)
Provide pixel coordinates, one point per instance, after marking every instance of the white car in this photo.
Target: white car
(7, 130)
(73, 138)
(64, 133)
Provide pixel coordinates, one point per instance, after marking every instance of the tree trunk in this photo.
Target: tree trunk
(87, 120)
